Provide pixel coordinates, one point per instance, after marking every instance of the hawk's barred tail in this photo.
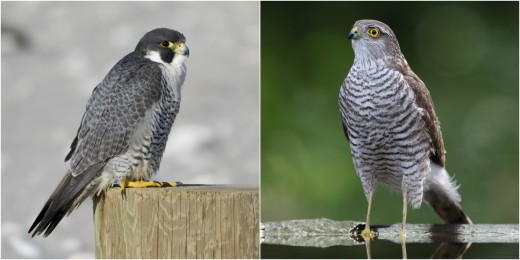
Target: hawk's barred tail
(443, 197)
(63, 200)
(450, 212)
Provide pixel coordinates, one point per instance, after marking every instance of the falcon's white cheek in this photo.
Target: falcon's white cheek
(177, 68)
(154, 56)
(178, 59)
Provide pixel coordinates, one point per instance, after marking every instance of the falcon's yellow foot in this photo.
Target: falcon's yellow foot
(172, 184)
(145, 184)
(124, 185)
(142, 184)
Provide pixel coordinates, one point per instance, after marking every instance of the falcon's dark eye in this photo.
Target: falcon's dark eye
(373, 32)
(165, 44)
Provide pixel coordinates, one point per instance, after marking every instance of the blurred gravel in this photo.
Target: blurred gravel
(55, 53)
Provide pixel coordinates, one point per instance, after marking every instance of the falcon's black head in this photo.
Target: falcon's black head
(162, 45)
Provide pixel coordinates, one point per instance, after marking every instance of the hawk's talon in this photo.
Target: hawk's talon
(368, 234)
(357, 229)
(362, 233)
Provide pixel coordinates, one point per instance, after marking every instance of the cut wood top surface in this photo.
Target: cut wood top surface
(200, 187)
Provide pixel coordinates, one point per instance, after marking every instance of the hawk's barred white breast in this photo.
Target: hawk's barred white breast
(390, 122)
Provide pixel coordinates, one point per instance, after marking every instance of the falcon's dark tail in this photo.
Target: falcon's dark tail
(63, 200)
(441, 194)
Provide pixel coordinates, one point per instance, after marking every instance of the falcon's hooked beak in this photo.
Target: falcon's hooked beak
(354, 34)
(181, 49)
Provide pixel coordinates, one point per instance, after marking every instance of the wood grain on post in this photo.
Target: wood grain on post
(216, 221)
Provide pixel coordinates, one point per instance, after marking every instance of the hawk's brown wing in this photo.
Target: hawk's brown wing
(424, 101)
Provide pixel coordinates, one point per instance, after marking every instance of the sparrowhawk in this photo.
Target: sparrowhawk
(389, 120)
(124, 130)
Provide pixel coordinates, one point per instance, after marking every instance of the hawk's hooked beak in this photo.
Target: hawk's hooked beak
(354, 34)
(181, 49)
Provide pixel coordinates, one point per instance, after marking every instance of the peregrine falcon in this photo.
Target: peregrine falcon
(391, 125)
(123, 133)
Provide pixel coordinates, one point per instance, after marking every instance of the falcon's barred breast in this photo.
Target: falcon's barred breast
(390, 122)
(124, 130)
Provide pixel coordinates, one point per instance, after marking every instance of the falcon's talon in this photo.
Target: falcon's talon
(146, 184)
(142, 184)
(124, 185)
(173, 184)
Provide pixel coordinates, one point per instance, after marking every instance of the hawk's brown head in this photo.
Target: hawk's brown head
(373, 40)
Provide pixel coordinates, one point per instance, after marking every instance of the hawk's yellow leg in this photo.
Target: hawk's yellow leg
(367, 246)
(367, 234)
(402, 234)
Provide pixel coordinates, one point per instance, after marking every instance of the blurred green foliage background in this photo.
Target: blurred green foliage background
(465, 52)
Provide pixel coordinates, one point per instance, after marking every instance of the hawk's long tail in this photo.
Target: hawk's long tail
(441, 194)
(65, 198)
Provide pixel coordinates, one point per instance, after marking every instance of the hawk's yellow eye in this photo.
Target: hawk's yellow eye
(373, 32)
(166, 44)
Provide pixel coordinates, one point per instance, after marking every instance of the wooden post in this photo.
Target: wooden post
(214, 221)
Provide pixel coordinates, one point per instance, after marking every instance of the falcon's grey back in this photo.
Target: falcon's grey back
(124, 130)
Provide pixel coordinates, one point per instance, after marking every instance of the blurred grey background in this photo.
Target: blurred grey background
(55, 53)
